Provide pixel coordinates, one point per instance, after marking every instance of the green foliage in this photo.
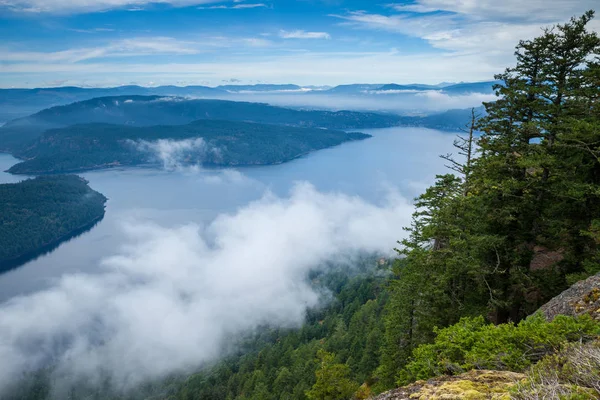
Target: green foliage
(333, 381)
(349, 329)
(521, 225)
(39, 212)
(474, 344)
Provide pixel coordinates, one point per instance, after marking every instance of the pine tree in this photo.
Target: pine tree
(528, 178)
(522, 219)
(466, 148)
(333, 381)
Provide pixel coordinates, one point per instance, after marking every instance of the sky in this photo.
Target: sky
(47, 43)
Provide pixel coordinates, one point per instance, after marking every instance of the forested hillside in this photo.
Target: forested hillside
(520, 221)
(205, 142)
(40, 212)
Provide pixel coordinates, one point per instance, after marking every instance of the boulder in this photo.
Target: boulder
(581, 298)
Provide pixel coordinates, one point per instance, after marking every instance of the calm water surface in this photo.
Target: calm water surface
(403, 159)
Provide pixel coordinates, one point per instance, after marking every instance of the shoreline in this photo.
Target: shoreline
(31, 255)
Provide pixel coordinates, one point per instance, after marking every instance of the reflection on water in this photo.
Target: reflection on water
(7, 161)
(6, 266)
(402, 159)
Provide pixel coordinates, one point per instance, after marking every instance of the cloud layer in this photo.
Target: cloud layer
(300, 34)
(81, 6)
(172, 154)
(166, 301)
(322, 43)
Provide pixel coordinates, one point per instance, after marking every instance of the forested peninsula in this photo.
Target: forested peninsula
(37, 214)
(205, 142)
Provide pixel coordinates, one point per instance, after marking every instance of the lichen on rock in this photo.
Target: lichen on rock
(580, 299)
(473, 385)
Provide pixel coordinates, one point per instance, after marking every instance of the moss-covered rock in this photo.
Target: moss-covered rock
(473, 385)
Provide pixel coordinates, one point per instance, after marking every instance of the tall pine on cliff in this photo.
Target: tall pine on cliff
(522, 220)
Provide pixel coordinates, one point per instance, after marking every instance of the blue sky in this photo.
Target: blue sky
(318, 42)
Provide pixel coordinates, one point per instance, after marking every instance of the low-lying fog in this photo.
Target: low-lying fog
(187, 257)
(425, 102)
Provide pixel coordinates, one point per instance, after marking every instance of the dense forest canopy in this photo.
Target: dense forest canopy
(39, 212)
(205, 142)
(520, 223)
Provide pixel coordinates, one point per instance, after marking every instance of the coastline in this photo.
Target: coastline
(22, 259)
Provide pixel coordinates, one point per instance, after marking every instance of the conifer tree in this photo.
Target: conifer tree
(333, 381)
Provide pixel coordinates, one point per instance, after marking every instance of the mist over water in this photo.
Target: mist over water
(184, 258)
(406, 102)
(7, 161)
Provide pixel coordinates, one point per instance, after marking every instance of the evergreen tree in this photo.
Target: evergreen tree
(333, 381)
(522, 219)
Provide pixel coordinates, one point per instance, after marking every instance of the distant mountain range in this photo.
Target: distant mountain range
(15, 103)
(259, 88)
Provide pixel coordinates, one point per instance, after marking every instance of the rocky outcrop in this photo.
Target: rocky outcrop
(473, 385)
(581, 298)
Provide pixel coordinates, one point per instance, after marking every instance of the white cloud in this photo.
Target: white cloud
(539, 11)
(399, 102)
(487, 29)
(418, 8)
(300, 34)
(131, 47)
(94, 30)
(257, 42)
(172, 154)
(301, 68)
(445, 101)
(446, 31)
(170, 297)
(465, 47)
(85, 6)
(238, 6)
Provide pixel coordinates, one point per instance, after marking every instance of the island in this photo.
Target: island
(38, 214)
(217, 143)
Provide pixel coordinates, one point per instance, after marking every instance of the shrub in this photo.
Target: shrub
(573, 373)
(473, 344)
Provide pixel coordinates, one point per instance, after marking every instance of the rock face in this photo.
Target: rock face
(473, 385)
(581, 298)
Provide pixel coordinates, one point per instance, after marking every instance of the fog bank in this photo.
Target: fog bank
(425, 102)
(168, 297)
